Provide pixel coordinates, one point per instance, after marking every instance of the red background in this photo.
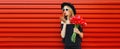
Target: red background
(35, 24)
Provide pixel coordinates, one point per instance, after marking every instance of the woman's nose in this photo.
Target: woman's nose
(64, 12)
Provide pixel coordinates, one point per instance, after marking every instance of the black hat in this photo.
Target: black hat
(70, 5)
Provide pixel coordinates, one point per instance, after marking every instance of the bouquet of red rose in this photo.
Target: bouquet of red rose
(77, 20)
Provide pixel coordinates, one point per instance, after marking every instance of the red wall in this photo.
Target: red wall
(35, 24)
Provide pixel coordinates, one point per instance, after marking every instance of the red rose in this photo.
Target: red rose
(78, 20)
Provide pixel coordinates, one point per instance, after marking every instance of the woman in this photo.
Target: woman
(67, 28)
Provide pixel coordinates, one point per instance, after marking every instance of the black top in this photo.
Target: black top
(69, 32)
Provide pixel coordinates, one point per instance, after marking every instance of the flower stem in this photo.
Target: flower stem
(73, 37)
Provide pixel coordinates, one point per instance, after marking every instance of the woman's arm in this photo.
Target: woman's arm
(63, 30)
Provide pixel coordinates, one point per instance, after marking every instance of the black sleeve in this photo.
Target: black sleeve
(80, 28)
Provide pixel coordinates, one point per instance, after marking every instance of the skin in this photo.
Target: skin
(69, 14)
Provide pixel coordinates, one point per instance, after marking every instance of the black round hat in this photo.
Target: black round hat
(70, 5)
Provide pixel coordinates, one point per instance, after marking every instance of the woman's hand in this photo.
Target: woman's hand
(62, 19)
(78, 32)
